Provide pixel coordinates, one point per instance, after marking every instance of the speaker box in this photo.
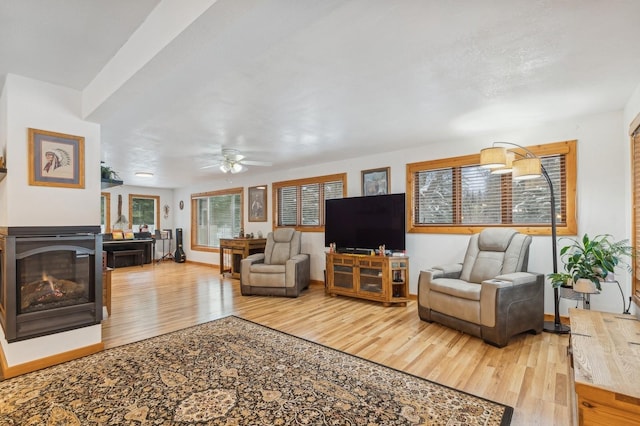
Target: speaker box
(179, 255)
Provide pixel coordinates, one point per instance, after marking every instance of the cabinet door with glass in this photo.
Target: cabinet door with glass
(370, 277)
(342, 271)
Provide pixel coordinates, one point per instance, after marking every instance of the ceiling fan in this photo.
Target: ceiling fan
(231, 161)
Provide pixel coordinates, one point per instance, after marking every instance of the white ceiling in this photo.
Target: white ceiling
(306, 81)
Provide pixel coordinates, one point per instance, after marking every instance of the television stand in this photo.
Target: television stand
(379, 278)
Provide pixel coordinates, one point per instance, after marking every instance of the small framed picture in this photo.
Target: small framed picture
(376, 181)
(258, 203)
(56, 159)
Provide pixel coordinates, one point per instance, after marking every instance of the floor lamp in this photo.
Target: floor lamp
(528, 166)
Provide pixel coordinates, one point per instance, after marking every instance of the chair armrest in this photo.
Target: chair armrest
(294, 263)
(299, 258)
(446, 271)
(427, 276)
(508, 290)
(254, 258)
(512, 280)
(297, 271)
(245, 266)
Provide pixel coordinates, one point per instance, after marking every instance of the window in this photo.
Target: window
(105, 210)
(144, 210)
(300, 203)
(217, 215)
(456, 195)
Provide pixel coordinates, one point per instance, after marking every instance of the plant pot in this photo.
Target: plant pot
(584, 285)
(567, 292)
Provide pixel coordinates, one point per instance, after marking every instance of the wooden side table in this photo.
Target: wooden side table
(605, 368)
(106, 289)
(237, 249)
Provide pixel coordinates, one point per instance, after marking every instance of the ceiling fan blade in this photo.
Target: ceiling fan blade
(210, 166)
(256, 163)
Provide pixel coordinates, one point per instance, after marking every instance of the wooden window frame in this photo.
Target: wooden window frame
(107, 211)
(298, 183)
(194, 215)
(156, 198)
(566, 148)
(634, 133)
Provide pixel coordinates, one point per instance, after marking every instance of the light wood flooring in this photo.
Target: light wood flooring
(530, 374)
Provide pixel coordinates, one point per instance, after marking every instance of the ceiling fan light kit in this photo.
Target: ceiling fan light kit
(231, 161)
(231, 166)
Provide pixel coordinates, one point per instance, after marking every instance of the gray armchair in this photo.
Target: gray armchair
(490, 295)
(280, 271)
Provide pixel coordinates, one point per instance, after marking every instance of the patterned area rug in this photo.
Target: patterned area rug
(234, 372)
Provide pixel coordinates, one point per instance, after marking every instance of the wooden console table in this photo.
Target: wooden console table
(236, 250)
(605, 367)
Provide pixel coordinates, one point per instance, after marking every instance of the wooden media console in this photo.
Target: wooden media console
(380, 278)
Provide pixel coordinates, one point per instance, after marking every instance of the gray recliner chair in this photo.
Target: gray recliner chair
(280, 271)
(490, 295)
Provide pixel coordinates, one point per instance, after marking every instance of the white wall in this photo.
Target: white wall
(602, 188)
(39, 105)
(4, 205)
(166, 198)
(632, 108)
(53, 108)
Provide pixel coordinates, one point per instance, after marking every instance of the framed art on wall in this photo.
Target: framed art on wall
(56, 159)
(375, 181)
(258, 203)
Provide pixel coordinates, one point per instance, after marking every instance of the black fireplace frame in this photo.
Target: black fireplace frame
(21, 326)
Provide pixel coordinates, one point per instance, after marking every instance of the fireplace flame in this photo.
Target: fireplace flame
(49, 279)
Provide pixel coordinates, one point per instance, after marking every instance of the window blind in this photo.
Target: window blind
(288, 206)
(471, 195)
(302, 204)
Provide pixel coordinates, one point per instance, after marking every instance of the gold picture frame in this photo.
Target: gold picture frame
(258, 203)
(56, 159)
(376, 181)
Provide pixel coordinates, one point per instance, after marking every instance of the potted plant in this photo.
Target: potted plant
(107, 172)
(593, 259)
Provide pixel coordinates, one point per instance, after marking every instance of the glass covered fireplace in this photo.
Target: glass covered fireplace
(50, 280)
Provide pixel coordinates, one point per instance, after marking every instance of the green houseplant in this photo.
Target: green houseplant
(107, 172)
(592, 259)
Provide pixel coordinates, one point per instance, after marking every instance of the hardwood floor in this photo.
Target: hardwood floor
(530, 374)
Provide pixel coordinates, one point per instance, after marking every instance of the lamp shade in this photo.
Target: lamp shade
(494, 157)
(527, 168)
(508, 167)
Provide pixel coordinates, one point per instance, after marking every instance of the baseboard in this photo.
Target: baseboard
(28, 367)
(193, 262)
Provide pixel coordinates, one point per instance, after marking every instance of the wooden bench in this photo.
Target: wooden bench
(137, 255)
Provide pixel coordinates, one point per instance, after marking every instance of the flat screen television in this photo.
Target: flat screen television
(360, 224)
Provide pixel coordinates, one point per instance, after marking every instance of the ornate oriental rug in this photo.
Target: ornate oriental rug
(234, 372)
